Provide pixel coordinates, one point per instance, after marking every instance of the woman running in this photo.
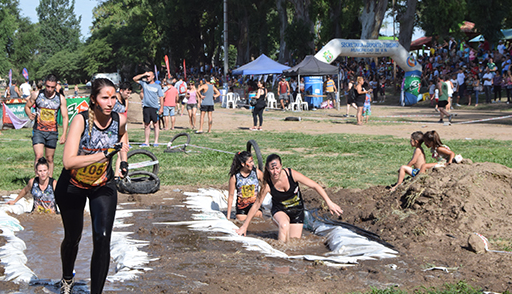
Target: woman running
(92, 141)
(287, 202)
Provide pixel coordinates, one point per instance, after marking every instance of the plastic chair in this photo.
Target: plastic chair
(230, 98)
(299, 104)
(271, 100)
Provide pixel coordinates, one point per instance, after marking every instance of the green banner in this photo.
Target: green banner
(75, 106)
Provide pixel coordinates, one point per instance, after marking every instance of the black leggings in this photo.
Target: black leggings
(257, 112)
(102, 205)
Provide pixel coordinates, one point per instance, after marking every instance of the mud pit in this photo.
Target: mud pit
(449, 205)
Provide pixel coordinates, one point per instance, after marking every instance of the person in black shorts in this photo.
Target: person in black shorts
(287, 202)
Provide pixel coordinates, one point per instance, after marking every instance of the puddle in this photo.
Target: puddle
(42, 236)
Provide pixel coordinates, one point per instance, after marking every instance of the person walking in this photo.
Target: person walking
(94, 137)
(152, 105)
(261, 103)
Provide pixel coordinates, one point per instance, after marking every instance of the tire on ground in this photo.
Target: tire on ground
(147, 153)
(182, 149)
(141, 182)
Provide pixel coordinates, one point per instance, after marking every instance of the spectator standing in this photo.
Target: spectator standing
(181, 85)
(461, 86)
(488, 79)
(25, 89)
(208, 93)
(330, 90)
(170, 100)
(152, 105)
(284, 92)
(497, 81)
(14, 91)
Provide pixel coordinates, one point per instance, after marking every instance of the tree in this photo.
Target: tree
(8, 14)
(407, 20)
(283, 24)
(441, 18)
(489, 16)
(372, 17)
(60, 28)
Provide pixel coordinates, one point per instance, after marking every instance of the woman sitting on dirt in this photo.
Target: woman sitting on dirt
(418, 160)
(42, 188)
(287, 202)
(245, 178)
(440, 152)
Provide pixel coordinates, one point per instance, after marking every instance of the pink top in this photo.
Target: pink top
(192, 99)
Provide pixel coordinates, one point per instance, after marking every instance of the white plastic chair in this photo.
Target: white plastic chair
(237, 97)
(271, 100)
(299, 104)
(230, 98)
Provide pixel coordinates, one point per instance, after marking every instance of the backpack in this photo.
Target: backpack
(183, 88)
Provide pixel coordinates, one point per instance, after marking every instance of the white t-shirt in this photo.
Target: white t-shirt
(25, 89)
(501, 48)
(460, 78)
(487, 76)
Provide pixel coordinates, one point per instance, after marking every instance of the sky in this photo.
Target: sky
(82, 8)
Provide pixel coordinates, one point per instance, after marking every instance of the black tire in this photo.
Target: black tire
(253, 144)
(292, 118)
(140, 155)
(182, 149)
(141, 182)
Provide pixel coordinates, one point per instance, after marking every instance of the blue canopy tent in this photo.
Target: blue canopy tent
(261, 66)
(507, 35)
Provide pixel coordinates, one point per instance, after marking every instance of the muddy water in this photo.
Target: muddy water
(43, 235)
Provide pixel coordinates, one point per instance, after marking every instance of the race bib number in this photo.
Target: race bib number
(47, 115)
(93, 174)
(248, 191)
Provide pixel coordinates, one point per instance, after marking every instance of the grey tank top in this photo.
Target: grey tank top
(208, 96)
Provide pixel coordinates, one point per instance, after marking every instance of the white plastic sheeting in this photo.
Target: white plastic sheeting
(129, 259)
(346, 246)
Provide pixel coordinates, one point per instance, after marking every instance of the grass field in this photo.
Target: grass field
(334, 160)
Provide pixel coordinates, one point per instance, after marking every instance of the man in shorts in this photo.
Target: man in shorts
(170, 99)
(330, 91)
(284, 92)
(208, 93)
(152, 105)
(45, 134)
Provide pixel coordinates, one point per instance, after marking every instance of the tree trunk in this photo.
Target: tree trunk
(407, 24)
(372, 17)
(335, 14)
(284, 54)
(243, 55)
(302, 8)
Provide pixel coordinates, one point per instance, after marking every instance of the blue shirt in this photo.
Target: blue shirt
(152, 93)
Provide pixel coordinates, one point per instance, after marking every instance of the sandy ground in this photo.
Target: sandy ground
(433, 231)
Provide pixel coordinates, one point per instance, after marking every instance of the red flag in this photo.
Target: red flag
(168, 68)
(184, 70)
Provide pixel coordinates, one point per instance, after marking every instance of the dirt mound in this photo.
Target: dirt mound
(455, 201)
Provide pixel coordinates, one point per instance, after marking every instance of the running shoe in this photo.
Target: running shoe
(450, 118)
(458, 105)
(156, 145)
(66, 286)
(441, 121)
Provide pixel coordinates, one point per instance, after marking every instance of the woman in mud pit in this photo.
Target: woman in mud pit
(42, 188)
(245, 178)
(91, 143)
(287, 202)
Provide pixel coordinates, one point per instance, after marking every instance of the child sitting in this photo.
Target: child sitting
(440, 152)
(417, 161)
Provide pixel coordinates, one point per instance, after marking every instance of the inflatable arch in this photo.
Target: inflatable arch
(379, 48)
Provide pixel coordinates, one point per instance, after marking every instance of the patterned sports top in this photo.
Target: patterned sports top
(99, 173)
(246, 189)
(441, 158)
(44, 201)
(46, 111)
(119, 107)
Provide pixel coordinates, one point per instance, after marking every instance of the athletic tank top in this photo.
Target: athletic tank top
(283, 89)
(292, 198)
(98, 173)
(208, 96)
(46, 112)
(246, 189)
(119, 107)
(329, 86)
(44, 201)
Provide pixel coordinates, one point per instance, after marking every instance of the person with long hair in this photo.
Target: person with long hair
(360, 98)
(244, 179)
(257, 112)
(192, 100)
(287, 202)
(42, 188)
(440, 152)
(95, 136)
